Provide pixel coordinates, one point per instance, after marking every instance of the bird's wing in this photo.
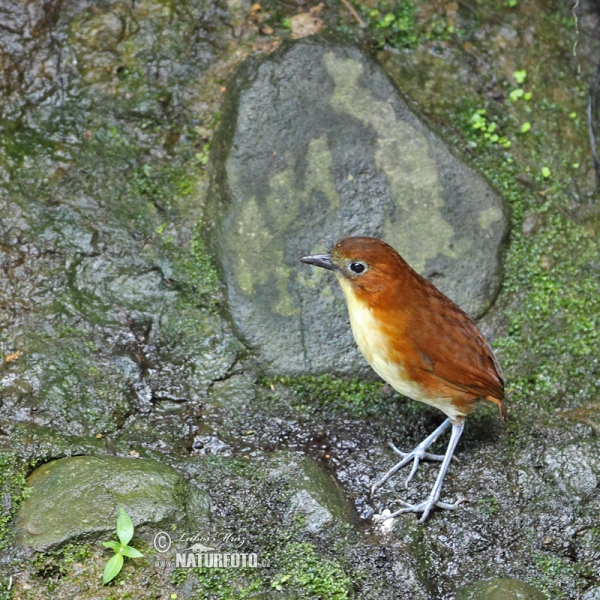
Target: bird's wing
(452, 348)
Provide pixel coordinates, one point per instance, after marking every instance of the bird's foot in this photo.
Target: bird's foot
(416, 456)
(423, 507)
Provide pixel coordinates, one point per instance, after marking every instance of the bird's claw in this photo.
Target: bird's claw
(416, 455)
(423, 507)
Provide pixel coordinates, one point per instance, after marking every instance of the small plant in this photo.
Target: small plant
(516, 94)
(487, 128)
(124, 533)
(525, 127)
(520, 76)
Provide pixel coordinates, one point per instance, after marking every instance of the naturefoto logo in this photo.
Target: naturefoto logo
(203, 551)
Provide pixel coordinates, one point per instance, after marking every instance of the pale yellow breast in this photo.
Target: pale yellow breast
(374, 345)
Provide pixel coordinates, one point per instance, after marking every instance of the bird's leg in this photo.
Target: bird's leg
(433, 500)
(415, 455)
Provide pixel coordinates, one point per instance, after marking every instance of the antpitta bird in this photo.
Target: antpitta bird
(418, 341)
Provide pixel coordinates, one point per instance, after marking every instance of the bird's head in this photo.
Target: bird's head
(364, 266)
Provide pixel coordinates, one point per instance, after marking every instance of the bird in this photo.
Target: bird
(418, 341)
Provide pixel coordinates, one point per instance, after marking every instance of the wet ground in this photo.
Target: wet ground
(114, 329)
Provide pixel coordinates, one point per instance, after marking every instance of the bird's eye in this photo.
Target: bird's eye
(357, 267)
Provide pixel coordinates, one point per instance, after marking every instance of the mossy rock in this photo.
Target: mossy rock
(318, 500)
(79, 498)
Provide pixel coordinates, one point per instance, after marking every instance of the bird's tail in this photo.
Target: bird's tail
(501, 406)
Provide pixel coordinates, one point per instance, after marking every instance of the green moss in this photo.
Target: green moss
(193, 268)
(12, 493)
(351, 396)
(163, 184)
(56, 564)
(299, 569)
(394, 24)
(553, 333)
(560, 578)
(224, 584)
(310, 575)
(488, 505)
(404, 24)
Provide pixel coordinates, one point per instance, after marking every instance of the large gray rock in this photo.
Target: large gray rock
(79, 497)
(316, 143)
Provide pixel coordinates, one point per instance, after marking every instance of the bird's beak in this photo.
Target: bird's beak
(320, 260)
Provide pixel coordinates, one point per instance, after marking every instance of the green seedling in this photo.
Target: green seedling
(124, 533)
(516, 94)
(520, 76)
(546, 172)
(525, 127)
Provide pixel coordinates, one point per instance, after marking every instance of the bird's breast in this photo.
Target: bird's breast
(379, 351)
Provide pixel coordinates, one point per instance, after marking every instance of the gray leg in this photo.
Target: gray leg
(415, 455)
(433, 499)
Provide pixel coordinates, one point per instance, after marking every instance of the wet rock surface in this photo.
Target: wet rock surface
(79, 498)
(318, 144)
(116, 342)
(500, 589)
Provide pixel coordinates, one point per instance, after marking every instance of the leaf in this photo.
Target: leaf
(131, 552)
(516, 94)
(124, 527)
(546, 172)
(525, 127)
(112, 544)
(520, 76)
(112, 568)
